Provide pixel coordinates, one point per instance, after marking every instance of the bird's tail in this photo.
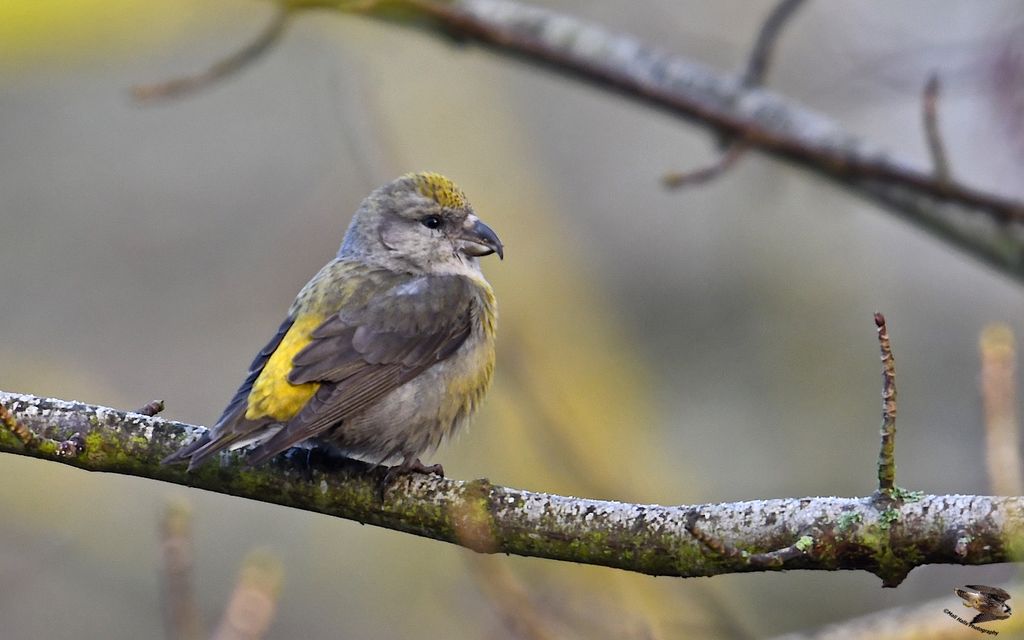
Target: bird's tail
(185, 453)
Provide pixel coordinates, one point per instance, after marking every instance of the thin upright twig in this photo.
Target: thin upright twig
(182, 86)
(887, 451)
(930, 117)
(999, 394)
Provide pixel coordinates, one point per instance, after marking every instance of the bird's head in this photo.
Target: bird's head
(420, 222)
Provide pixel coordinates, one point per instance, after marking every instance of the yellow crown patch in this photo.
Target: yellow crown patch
(440, 189)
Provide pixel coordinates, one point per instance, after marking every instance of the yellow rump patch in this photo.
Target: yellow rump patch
(440, 189)
(272, 395)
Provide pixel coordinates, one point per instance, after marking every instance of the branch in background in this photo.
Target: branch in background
(887, 452)
(999, 394)
(989, 226)
(252, 605)
(185, 85)
(757, 68)
(887, 538)
(181, 611)
(930, 117)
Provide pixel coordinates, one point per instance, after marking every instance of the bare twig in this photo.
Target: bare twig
(930, 117)
(764, 47)
(887, 451)
(179, 87)
(151, 408)
(253, 603)
(732, 148)
(725, 161)
(999, 394)
(181, 611)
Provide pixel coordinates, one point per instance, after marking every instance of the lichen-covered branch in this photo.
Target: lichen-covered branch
(887, 536)
(987, 225)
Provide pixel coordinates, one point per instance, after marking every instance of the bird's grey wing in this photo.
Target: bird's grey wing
(995, 592)
(360, 355)
(984, 617)
(232, 425)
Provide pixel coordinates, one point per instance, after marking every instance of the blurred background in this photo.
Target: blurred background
(710, 344)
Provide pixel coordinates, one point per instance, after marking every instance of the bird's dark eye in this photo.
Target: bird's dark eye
(431, 222)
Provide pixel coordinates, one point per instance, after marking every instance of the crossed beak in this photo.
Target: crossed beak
(478, 239)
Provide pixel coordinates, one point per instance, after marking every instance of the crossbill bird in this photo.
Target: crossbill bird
(388, 350)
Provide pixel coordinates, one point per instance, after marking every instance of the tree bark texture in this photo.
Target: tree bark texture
(887, 535)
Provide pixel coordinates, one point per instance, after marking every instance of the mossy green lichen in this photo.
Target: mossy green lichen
(47, 447)
(847, 520)
(9, 441)
(804, 544)
(891, 568)
(95, 444)
(906, 495)
(888, 517)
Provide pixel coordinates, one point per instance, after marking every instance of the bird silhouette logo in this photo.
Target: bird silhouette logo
(989, 601)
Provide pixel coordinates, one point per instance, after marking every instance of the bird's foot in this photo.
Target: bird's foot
(409, 465)
(415, 466)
